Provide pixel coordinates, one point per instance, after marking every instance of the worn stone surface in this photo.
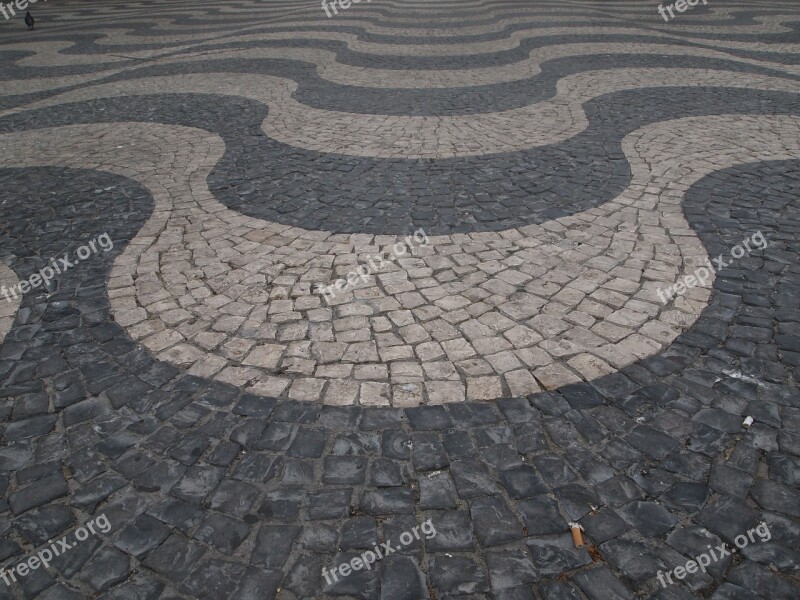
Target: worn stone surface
(510, 371)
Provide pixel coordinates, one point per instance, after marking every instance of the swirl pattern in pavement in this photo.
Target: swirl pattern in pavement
(515, 373)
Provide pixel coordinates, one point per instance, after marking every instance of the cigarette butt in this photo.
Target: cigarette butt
(747, 422)
(577, 536)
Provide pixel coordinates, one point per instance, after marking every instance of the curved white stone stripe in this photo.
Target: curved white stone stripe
(268, 11)
(767, 24)
(255, 9)
(387, 136)
(493, 46)
(50, 53)
(331, 70)
(14, 87)
(167, 18)
(228, 296)
(259, 7)
(51, 50)
(368, 18)
(187, 9)
(67, 15)
(167, 31)
(8, 304)
(373, 10)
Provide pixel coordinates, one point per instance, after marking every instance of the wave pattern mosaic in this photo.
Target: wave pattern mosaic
(279, 287)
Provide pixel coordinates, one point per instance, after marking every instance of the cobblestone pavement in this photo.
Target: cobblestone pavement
(508, 194)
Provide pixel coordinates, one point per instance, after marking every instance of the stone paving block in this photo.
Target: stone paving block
(402, 579)
(174, 558)
(774, 496)
(494, 521)
(107, 567)
(649, 518)
(458, 446)
(428, 454)
(694, 540)
(363, 584)
(256, 468)
(59, 591)
(69, 564)
(620, 490)
(510, 569)
(453, 532)
(282, 504)
(501, 456)
(554, 469)
(273, 544)
(359, 532)
(396, 500)
(436, 491)
(558, 555)
(223, 533)
(727, 517)
(308, 443)
(472, 479)
(90, 495)
(749, 574)
(319, 537)
(457, 575)
(686, 497)
(522, 482)
(342, 470)
(234, 498)
(198, 483)
(39, 525)
(631, 558)
(213, 578)
(329, 504)
(604, 525)
(141, 536)
(37, 494)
